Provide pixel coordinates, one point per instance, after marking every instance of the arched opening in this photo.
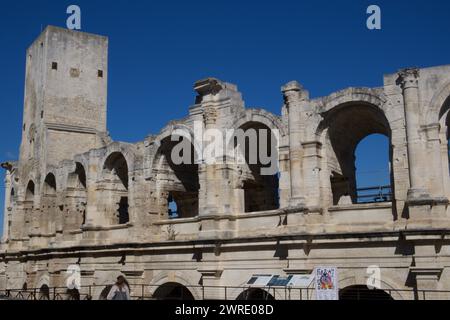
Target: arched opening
(48, 216)
(28, 210)
(76, 199)
(29, 194)
(50, 184)
(73, 294)
(361, 292)
(373, 170)
(177, 179)
(447, 122)
(44, 292)
(115, 171)
(257, 155)
(344, 127)
(445, 133)
(10, 209)
(255, 294)
(173, 291)
(444, 138)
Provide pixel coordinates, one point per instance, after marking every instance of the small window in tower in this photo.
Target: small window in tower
(24, 126)
(100, 73)
(54, 66)
(42, 114)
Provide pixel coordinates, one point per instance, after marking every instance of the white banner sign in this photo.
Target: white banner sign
(301, 281)
(326, 279)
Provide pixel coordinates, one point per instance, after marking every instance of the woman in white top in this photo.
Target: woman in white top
(119, 291)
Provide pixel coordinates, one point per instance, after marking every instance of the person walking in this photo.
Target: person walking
(120, 290)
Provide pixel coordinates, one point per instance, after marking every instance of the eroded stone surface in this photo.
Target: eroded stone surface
(76, 197)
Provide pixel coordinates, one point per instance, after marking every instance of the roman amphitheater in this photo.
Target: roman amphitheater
(210, 230)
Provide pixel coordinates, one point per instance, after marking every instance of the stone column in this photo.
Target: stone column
(7, 209)
(94, 195)
(293, 95)
(311, 171)
(209, 169)
(217, 105)
(435, 161)
(416, 153)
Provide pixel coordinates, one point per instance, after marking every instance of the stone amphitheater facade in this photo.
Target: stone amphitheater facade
(75, 197)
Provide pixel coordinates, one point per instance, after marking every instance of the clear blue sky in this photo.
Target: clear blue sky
(159, 49)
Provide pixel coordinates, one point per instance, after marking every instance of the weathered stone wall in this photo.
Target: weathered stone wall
(76, 197)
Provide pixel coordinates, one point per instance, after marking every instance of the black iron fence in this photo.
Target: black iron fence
(179, 292)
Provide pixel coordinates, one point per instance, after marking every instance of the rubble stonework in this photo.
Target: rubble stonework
(77, 197)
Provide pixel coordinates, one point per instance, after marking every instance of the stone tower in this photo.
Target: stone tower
(65, 98)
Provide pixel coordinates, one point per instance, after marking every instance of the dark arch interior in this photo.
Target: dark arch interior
(361, 292)
(261, 191)
(116, 173)
(50, 184)
(29, 196)
(77, 179)
(81, 174)
(44, 292)
(116, 164)
(181, 189)
(347, 126)
(255, 294)
(445, 108)
(76, 198)
(173, 291)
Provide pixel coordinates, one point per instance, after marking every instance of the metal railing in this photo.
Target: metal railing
(150, 292)
(374, 194)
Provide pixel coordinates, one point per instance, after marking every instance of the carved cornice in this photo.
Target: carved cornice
(409, 77)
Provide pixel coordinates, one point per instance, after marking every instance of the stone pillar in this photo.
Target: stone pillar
(209, 166)
(94, 195)
(217, 104)
(312, 164)
(293, 95)
(416, 153)
(7, 209)
(434, 162)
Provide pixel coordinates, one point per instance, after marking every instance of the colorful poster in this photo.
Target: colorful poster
(326, 279)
